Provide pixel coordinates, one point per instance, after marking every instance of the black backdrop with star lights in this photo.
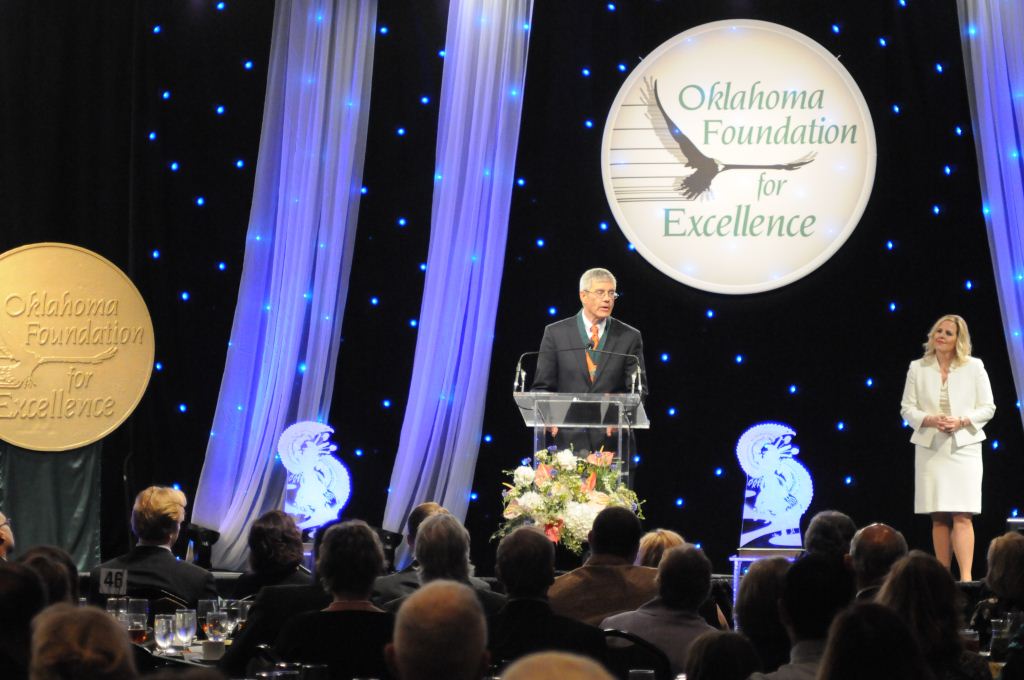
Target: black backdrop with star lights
(93, 152)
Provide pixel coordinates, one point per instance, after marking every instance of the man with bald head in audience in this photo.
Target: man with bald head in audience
(873, 551)
(440, 632)
(609, 582)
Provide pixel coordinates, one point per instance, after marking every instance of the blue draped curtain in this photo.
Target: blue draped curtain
(991, 34)
(291, 300)
(478, 130)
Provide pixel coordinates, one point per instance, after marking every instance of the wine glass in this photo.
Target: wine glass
(243, 614)
(163, 631)
(184, 627)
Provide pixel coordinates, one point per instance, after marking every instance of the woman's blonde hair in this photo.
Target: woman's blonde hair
(653, 545)
(963, 339)
(71, 642)
(158, 512)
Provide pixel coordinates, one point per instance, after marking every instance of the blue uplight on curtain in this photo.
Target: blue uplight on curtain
(478, 130)
(284, 340)
(994, 60)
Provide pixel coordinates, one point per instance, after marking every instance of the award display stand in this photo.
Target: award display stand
(622, 413)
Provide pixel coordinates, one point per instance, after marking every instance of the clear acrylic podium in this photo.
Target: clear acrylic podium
(584, 411)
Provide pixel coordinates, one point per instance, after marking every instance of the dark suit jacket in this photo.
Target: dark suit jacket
(562, 367)
(272, 608)
(351, 643)
(526, 626)
(405, 582)
(251, 582)
(151, 567)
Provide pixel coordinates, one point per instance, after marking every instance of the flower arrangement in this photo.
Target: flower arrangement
(563, 493)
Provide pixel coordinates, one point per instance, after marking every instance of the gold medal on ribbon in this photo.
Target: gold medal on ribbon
(76, 347)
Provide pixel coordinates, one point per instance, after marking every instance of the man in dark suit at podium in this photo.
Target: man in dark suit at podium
(590, 352)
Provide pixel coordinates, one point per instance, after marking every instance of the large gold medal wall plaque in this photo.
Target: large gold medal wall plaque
(76, 347)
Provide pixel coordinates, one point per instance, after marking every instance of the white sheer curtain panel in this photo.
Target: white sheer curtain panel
(284, 342)
(991, 35)
(478, 131)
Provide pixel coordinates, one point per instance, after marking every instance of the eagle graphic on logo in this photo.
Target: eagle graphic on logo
(705, 168)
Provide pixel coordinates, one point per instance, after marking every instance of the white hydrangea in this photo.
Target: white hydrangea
(523, 476)
(531, 501)
(565, 460)
(579, 518)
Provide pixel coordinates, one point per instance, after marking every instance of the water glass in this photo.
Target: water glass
(138, 606)
(203, 609)
(1000, 641)
(163, 631)
(217, 627)
(117, 605)
(230, 608)
(184, 627)
(641, 674)
(243, 614)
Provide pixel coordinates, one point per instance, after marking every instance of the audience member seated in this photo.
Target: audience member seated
(6, 537)
(442, 550)
(275, 555)
(830, 533)
(555, 666)
(404, 581)
(525, 564)
(873, 551)
(156, 519)
(757, 611)
(653, 545)
(670, 621)
(440, 632)
(609, 582)
(72, 643)
(273, 607)
(923, 594)
(57, 571)
(721, 655)
(1004, 584)
(869, 642)
(22, 596)
(816, 588)
(349, 635)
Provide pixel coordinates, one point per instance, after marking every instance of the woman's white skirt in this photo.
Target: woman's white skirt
(947, 478)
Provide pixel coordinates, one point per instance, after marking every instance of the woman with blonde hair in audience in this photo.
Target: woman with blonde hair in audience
(923, 594)
(653, 545)
(79, 643)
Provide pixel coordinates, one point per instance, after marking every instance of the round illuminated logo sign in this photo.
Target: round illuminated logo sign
(738, 157)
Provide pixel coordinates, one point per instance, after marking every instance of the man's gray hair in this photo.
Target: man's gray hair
(442, 549)
(595, 274)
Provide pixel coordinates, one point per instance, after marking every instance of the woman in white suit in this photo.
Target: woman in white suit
(947, 401)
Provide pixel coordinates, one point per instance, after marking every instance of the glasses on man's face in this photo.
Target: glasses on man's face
(601, 294)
